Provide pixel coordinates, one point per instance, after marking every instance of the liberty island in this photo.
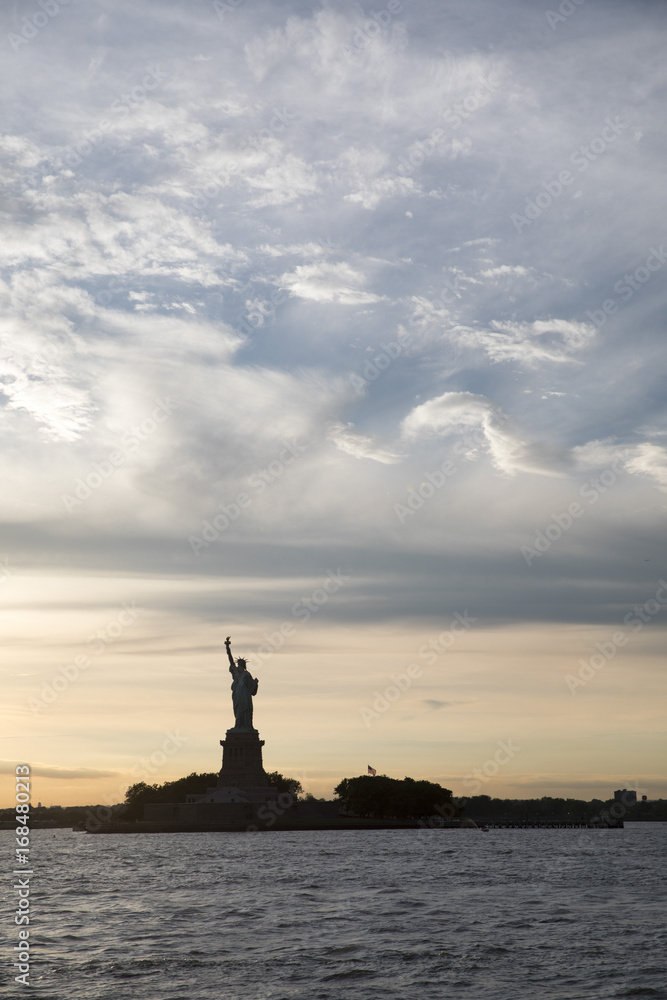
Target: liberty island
(246, 798)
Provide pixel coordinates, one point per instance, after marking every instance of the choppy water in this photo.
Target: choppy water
(364, 915)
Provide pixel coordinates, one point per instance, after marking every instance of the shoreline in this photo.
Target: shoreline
(286, 825)
(346, 824)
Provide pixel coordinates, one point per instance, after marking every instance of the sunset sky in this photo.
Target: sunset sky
(347, 321)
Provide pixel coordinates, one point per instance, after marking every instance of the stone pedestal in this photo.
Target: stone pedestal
(242, 761)
(242, 777)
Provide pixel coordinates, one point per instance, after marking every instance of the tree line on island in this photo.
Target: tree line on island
(141, 794)
(374, 797)
(380, 797)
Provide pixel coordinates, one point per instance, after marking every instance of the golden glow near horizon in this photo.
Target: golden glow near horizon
(433, 702)
(349, 343)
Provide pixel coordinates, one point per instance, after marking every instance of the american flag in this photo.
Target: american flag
(371, 770)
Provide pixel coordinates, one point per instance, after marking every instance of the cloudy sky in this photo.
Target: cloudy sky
(338, 328)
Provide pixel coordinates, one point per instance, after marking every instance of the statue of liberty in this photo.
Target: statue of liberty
(243, 688)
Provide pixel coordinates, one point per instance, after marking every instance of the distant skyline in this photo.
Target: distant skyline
(339, 330)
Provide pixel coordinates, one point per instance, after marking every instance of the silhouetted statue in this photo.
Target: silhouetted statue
(243, 688)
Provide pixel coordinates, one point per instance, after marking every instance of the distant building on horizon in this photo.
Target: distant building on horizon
(625, 795)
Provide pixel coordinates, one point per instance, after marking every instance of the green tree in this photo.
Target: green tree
(382, 798)
(283, 784)
(139, 794)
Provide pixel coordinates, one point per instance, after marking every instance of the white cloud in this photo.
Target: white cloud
(56, 771)
(329, 282)
(283, 182)
(128, 272)
(455, 412)
(503, 270)
(644, 459)
(597, 454)
(649, 460)
(531, 343)
(360, 445)
(370, 192)
(63, 411)
(101, 235)
(365, 172)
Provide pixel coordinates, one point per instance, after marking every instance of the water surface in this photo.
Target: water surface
(423, 914)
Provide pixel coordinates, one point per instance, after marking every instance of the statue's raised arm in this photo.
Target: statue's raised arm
(228, 647)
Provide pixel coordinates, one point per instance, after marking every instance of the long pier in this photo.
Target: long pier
(544, 825)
